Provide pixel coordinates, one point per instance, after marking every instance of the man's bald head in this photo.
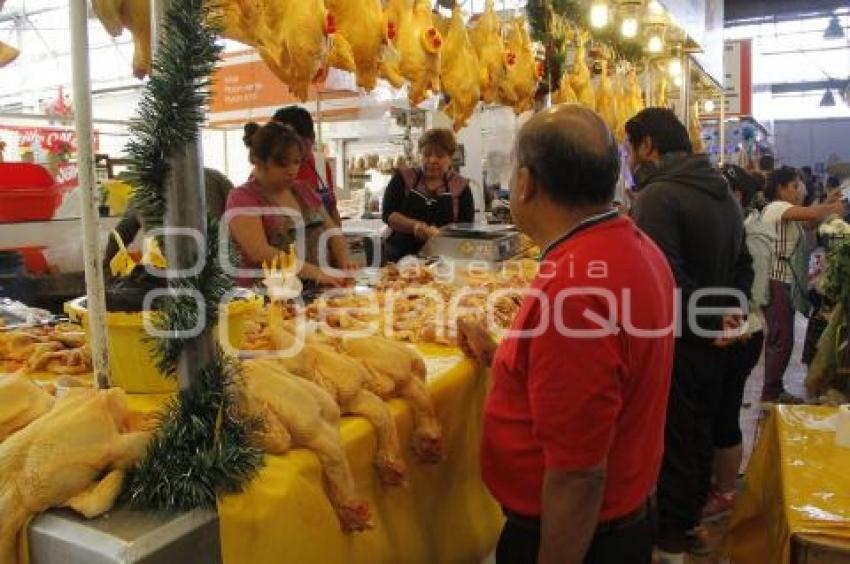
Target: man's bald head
(571, 154)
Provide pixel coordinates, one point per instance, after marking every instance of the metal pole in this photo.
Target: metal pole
(722, 126)
(185, 209)
(685, 90)
(95, 296)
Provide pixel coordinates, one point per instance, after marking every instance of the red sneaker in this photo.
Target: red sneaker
(719, 506)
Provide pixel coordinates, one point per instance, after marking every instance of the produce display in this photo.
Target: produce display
(74, 455)
(58, 349)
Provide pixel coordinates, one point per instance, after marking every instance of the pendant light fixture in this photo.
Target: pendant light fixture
(599, 14)
(834, 29)
(828, 99)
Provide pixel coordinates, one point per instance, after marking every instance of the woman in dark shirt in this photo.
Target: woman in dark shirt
(418, 201)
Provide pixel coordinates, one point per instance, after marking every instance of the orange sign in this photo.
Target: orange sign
(239, 86)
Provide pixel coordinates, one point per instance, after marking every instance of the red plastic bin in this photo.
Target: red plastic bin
(27, 193)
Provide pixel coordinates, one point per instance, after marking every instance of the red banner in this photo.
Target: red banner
(47, 137)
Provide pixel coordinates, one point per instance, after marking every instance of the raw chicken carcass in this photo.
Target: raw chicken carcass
(293, 42)
(399, 372)
(61, 460)
(606, 101)
(580, 79)
(7, 54)
(410, 27)
(345, 380)
(296, 413)
(565, 93)
(361, 24)
(460, 71)
(621, 107)
(135, 16)
(486, 36)
(695, 129)
(522, 78)
(240, 20)
(634, 95)
(660, 90)
(22, 401)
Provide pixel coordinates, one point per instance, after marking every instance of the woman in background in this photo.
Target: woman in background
(418, 201)
(276, 151)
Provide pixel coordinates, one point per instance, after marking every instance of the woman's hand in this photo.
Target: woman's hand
(422, 231)
(333, 280)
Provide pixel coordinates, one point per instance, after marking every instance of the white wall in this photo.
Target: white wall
(807, 142)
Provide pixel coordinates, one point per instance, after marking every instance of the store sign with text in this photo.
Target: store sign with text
(738, 77)
(47, 138)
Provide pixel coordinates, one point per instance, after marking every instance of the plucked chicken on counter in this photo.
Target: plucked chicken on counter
(73, 455)
(297, 413)
(460, 72)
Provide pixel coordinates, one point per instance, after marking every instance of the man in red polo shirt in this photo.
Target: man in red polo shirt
(574, 425)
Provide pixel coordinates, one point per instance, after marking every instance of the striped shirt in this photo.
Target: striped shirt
(788, 234)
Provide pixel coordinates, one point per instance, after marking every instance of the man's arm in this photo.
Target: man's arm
(571, 503)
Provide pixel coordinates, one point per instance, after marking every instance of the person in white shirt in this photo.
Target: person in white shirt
(785, 191)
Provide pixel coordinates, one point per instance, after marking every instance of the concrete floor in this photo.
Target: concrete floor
(750, 416)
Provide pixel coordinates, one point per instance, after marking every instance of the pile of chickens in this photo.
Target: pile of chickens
(58, 349)
(68, 450)
(616, 96)
(397, 40)
(310, 380)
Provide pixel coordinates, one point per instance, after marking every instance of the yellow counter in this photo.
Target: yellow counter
(444, 514)
(797, 487)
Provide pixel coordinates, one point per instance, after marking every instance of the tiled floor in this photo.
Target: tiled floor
(750, 414)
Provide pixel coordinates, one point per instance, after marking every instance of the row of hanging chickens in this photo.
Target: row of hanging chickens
(401, 41)
(617, 96)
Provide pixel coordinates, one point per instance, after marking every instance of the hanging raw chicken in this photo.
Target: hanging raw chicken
(580, 79)
(7, 52)
(135, 16)
(634, 95)
(565, 93)
(240, 20)
(520, 84)
(460, 72)
(606, 101)
(695, 129)
(361, 24)
(621, 108)
(411, 31)
(660, 89)
(486, 36)
(296, 43)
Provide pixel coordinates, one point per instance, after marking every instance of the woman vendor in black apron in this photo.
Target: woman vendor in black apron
(418, 201)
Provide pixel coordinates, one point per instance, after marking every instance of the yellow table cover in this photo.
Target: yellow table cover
(443, 515)
(797, 482)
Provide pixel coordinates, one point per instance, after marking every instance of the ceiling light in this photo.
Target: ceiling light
(834, 29)
(599, 15)
(708, 106)
(629, 27)
(828, 99)
(675, 67)
(655, 8)
(677, 81)
(656, 44)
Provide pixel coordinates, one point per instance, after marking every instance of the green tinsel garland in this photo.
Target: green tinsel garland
(203, 447)
(547, 16)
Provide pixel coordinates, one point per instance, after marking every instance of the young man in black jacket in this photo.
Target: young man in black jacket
(686, 206)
